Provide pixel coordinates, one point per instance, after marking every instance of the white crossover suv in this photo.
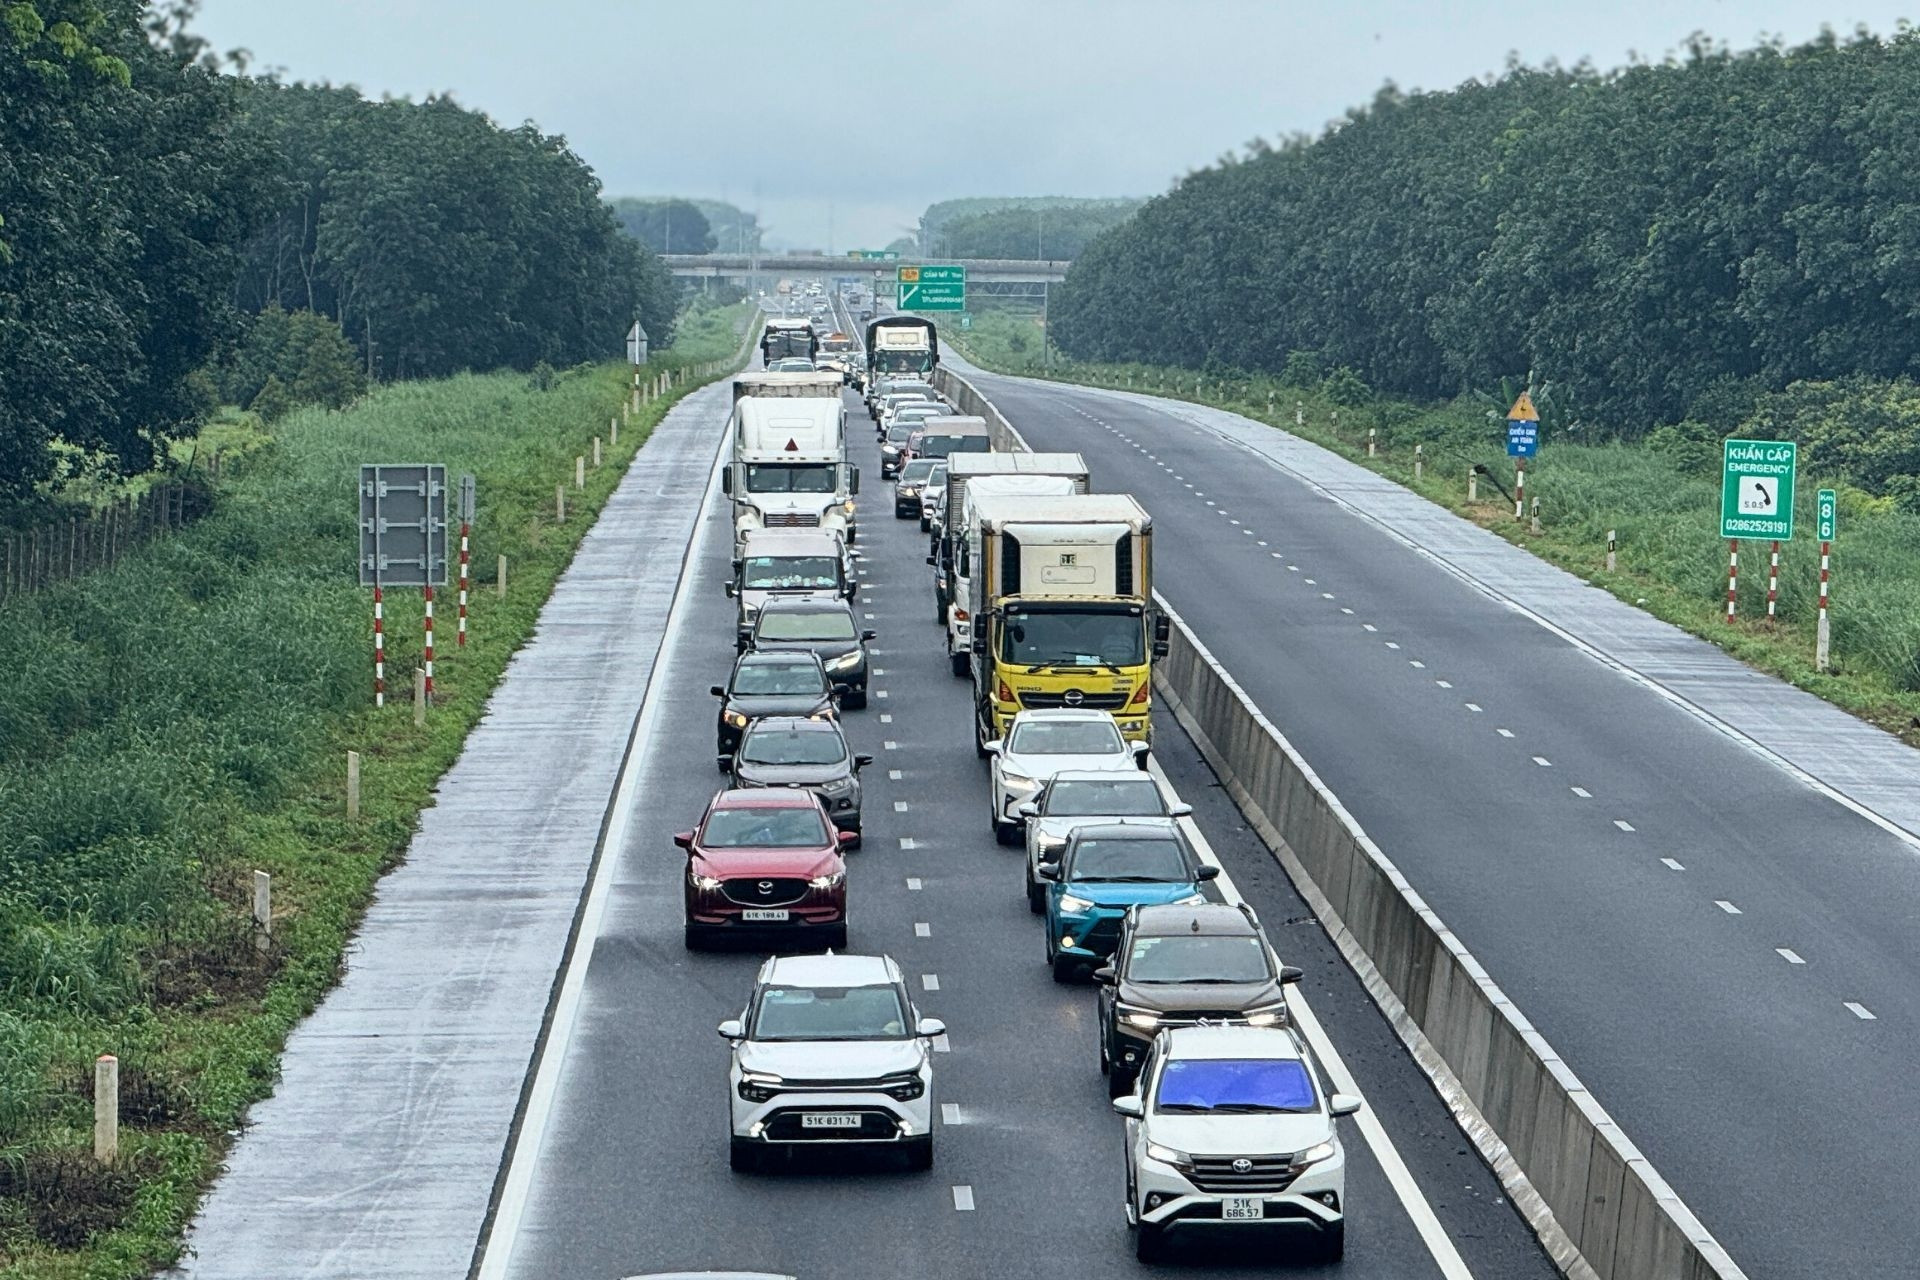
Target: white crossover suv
(830, 1051)
(1230, 1131)
(1040, 744)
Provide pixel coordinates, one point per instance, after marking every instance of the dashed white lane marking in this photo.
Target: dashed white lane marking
(1415, 662)
(943, 1044)
(921, 929)
(1583, 793)
(913, 883)
(1861, 1011)
(1543, 762)
(886, 717)
(1260, 544)
(907, 842)
(1789, 955)
(1726, 906)
(1473, 706)
(1293, 568)
(1248, 532)
(963, 1199)
(1392, 645)
(1368, 626)
(1444, 684)
(1623, 824)
(1276, 555)
(1326, 595)
(869, 615)
(1672, 865)
(879, 671)
(1310, 582)
(879, 693)
(891, 745)
(893, 775)
(899, 806)
(1505, 733)
(930, 981)
(950, 1113)
(1346, 610)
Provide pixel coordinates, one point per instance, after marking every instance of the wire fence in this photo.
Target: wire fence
(57, 550)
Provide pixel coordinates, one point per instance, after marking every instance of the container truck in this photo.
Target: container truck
(982, 473)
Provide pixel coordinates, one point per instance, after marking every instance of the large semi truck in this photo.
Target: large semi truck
(1060, 598)
(899, 345)
(785, 337)
(789, 466)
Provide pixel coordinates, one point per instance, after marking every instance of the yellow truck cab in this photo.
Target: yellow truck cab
(1061, 598)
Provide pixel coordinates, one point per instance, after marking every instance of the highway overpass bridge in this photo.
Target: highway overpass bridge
(741, 267)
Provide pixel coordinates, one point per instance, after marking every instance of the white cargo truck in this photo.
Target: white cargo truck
(788, 468)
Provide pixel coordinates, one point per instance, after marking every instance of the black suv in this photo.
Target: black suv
(768, 684)
(821, 626)
(1176, 966)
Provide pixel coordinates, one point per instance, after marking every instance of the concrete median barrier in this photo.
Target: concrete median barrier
(1597, 1204)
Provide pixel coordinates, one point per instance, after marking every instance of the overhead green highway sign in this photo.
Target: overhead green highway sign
(932, 289)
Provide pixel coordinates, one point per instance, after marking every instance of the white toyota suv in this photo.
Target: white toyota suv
(830, 1051)
(1231, 1131)
(1040, 744)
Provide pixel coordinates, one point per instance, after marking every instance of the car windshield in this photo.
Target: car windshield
(790, 573)
(1143, 858)
(1192, 957)
(1122, 797)
(915, 472)
(764, 827)
(1046, 639)
(899, 432)
(771, 477)
(829, 1013)
(805, 625)
(1235, 1085)
(939, 446)
(765, 679)
(1066, 738)
(768, 745)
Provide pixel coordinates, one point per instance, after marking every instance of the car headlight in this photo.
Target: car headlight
(847, 506)
(759, 1086)
(834, 786)
(698, 881)
(1074, 906)
(844, 661)
(909, 491)
(1313, 1155)
(1167, 1155)
(1018, 782)
(1191, 900)
(1145, 1021)
(735, 719)
(1049, 844)
(1267, 1016)
(904, 1088)
(830, 881)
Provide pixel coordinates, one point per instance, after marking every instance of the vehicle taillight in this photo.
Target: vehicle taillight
(1006, 693)
(959, 615)
(1140, 694)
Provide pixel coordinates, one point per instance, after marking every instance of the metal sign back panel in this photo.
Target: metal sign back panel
(403, 525)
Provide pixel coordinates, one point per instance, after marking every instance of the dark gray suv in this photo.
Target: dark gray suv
(768, 684)
(822, 626)
(791, 751)
(1176, 966)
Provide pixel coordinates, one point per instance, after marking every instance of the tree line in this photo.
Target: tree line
(1658, 244)
(1050, 227)
(154, 199)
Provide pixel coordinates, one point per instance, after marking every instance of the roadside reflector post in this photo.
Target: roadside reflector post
(1733, 573)
(560, 503)
(1373, 441)
(1536, 515)
(1419, 461)
(1773, 579)
(466, 530)
(613, 434)
(426, 652)
(1613, 546)
(500, 581)
(1473, 485)
(1299, 413)
(379, 650)
(1519, 488)
(419, 696)
(106, 1108)
(580, 471)
(353, 786)
(262, 911)
(596, 451)
(1828, 508)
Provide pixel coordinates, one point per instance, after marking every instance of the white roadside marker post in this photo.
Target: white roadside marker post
(106, 1108)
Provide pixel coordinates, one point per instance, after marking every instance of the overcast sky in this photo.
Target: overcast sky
(840, 120)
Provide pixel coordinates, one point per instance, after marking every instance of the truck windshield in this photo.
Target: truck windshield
(771, 477)
(902, 361)
(1073, 639)
(790, 573)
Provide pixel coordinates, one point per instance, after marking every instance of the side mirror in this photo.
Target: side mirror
(718, 690)
(979, 646)
(1129, 1106)
(869, 635)
(732, 590)
(1047, 871)
(851, 590)
(1140, 748)
(733, 1029)
(993, 748)
(1105, 975)
(846, 839)
(930, 1027)
(1343, 1104)
(684, 840)
(726, 481)
(862, 761)
(1028, 810)
(1208, 872)
(929, 559)
(853, 480)
(1291, 973)
(1161, 648)
(1162, 628)
(1180, 811)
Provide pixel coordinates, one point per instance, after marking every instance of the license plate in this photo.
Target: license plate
(830, 1120)
(764, 915)
(1243, 1209)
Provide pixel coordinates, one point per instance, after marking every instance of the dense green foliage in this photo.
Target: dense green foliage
(292, 359)
(666, 226)
(1646, 245)
(734, 229)
(125, 193)
(940, 214)
(1056, 231)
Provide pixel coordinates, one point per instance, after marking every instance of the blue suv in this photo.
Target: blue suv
(1106, 868)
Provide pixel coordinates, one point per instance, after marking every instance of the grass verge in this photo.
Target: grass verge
(1662, 498)
(174, 724)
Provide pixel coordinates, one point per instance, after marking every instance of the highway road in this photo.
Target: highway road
(1722, 953)
(630, 1172)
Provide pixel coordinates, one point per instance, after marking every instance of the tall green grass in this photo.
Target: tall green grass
(172, 725)
(1664, 503)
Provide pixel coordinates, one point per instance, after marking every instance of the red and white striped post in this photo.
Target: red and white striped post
(1773, 579)
(1733, 573)
(379, 651)
(1822, 637)
(465, 528)
(426, 653)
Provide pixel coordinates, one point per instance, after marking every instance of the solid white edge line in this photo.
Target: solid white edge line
(504, 1230)
(1412, 1199)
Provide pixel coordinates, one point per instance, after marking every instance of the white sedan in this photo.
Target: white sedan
(1040, 744)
